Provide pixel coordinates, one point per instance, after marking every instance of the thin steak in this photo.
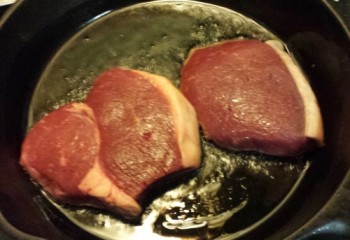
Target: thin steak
(250, 95)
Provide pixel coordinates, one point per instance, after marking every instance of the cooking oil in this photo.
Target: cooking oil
(232, 191)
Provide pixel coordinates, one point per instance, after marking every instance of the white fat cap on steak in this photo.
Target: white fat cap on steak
(313, 119)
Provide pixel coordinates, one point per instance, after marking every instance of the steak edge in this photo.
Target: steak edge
(61, 154)
(250, 95)
(66, 151)
(154, 125)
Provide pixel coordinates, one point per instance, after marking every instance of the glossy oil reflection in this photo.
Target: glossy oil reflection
(232, 191)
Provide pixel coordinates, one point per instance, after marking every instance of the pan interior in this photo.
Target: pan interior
(233, 192)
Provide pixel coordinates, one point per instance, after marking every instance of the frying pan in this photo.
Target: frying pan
(317, 32)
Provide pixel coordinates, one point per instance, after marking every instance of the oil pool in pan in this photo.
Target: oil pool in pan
(232, 192)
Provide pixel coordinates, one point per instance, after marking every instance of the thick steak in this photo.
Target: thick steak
(63, 145)
(138, 130)
(250, 95)
(148, 129)
(61, 153)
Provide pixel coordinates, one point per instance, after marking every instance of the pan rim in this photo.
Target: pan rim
(346, 29)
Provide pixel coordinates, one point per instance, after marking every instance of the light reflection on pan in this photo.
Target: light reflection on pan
(233, 192)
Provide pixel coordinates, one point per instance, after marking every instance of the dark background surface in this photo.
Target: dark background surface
(330, 223)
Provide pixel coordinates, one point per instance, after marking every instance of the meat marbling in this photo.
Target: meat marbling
(61, 153)
(134, 129)
(250, 95)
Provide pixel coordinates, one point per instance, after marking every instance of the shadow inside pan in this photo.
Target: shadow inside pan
(233, 192)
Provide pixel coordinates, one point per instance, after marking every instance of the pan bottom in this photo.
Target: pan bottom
(233, 192)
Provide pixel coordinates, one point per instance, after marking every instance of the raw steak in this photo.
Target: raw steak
(148, 129)
(61, 153)
(250, 95)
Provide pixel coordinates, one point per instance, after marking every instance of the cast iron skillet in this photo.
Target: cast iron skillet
(319, 209)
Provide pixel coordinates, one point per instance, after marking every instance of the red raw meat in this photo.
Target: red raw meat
(148, 129)
(63, 144)
(61, 153)
(250, 95)
(138, 130)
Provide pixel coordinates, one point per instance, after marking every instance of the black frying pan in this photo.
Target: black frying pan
(316, 205)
